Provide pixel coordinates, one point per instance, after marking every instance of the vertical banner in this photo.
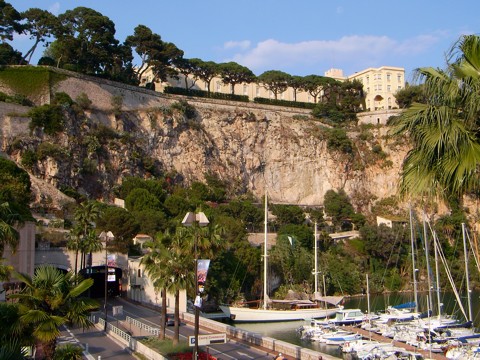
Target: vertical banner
(112, 260)
(202, 270)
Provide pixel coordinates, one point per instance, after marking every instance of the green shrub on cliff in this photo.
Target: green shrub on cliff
(47, 117)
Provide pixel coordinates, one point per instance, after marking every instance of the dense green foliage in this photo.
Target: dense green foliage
(304, 105)
(410, 94)
(47, 117)
(15, 188)
(50, 299)
(206, 94)
(28, 80)
(443, 130)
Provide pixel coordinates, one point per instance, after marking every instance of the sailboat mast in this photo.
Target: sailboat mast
(316, 259)
(429, 281)
(265, 275)
(412, 240)
(368, 297)
(437, 274)
(466, 272)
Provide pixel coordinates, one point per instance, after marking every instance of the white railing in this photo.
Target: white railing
(150, 329)
(115, 330)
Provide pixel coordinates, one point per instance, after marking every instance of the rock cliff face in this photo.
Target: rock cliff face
(250, 147)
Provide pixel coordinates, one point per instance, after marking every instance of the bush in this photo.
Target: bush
(303, 105)
(338, 140)
(185, 108)
(83, 101)
(15, 99)
(46, 61)
(47, 149)
(204, 94)
(29, 158)
(62, 99)
(48, 117)
(68, 352)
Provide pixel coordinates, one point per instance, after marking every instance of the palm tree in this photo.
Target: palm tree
(51, 299)
(68, 352)
(13, 336)
(179, 266)
(73, 243)
(8, 234)
(155, 262)
(86, 214)
(445, 155)
(91, 243)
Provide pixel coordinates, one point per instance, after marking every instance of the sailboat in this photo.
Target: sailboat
(291, 310)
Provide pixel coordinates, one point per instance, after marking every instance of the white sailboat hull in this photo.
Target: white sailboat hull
(244, 314)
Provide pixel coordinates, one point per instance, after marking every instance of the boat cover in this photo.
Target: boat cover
(332, 300)
(408, 305)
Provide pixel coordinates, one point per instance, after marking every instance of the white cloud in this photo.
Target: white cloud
(416, 45)
(353, 53)
(242, 45)
(54, 8)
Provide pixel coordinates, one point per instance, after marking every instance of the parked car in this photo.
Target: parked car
(170, 320)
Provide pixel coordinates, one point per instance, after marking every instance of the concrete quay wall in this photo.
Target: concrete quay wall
(256, 339)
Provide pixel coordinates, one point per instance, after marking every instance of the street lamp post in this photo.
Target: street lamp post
(105, 236)
(196, 219)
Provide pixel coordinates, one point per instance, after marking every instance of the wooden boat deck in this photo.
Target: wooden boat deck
(374, 336)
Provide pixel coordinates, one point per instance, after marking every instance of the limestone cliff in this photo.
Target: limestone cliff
(250, 147)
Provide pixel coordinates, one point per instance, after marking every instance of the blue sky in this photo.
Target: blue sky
(299, 37)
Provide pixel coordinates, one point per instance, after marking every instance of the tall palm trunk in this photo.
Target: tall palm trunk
(163, 320)
(49, 348)
(76, 261)
(176, 330)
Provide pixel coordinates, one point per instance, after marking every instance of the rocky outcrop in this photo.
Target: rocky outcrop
(251, 147)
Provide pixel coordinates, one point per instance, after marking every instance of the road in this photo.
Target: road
(231, 350)
(99, 344)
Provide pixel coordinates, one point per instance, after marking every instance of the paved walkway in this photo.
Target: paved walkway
(96, 344)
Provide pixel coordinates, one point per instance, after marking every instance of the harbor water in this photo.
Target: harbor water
(286, 331)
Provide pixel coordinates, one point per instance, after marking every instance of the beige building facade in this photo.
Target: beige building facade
(22, 260)
(379, 84)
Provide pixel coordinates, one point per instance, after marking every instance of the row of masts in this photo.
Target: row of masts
(437, 252)
(414, 269)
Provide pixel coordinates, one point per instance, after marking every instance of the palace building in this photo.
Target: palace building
(379, 84)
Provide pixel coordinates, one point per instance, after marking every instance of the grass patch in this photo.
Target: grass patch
(166, 347)
(29, 80)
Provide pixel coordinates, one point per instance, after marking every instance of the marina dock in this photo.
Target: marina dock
(376, 337)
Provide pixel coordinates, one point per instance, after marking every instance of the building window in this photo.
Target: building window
(379, 87)
(399, 77)
(368, 89)
(219, 86)
(245, 89)
(368, 79)
(388, 76)
(139, 273)
(389, 88)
